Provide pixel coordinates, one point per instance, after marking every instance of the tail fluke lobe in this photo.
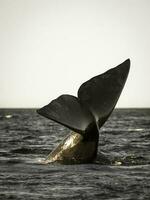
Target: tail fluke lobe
(68, 111)
(101, 93)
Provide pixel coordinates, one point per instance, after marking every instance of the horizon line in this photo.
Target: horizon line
(40, 107)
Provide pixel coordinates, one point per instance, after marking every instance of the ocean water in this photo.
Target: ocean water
(26, 138)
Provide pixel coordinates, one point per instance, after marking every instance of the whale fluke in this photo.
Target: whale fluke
(96, 99)
(86, 113)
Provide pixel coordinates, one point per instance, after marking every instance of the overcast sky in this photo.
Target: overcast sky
(50, 47)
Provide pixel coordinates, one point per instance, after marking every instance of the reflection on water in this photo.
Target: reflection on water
(26, 139)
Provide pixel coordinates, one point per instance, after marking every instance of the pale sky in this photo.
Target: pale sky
(50, 47)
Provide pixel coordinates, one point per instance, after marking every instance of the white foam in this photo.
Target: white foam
(8, 116)
(135, 129)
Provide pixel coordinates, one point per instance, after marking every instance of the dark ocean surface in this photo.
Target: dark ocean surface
(26, 138)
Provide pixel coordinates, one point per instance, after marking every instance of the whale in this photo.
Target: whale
(84, 115)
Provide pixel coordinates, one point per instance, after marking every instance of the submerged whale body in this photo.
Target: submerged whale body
(85, 115)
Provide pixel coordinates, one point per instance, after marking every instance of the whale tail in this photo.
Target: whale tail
(96, 100)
